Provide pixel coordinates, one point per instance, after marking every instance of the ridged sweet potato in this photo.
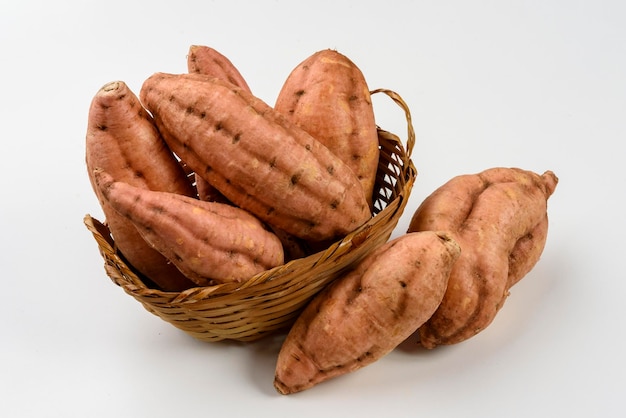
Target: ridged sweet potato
(255, 157)
(499, 218)
(365, 314)
(208, 61)
(205, 60)
(327, 96)
(123, 140)
(209, 242)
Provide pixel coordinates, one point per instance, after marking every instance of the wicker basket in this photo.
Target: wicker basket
(272, 300)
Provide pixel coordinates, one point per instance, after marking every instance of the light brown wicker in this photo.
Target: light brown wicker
(271, 301)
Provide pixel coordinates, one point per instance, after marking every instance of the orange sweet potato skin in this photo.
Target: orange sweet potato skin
(255, 157)
(205, 60)
(364, 315)
(123, 140)
(209, 242)
(327, 96)
(499, 218)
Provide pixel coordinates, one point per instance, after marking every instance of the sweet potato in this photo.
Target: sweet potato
(208, 61)
(205, 60)
(123, 140)
(327, 96)
(365, 314)
(209, 242)
(255, 157)
(499, 218)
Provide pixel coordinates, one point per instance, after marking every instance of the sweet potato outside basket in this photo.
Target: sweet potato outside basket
(272, 300)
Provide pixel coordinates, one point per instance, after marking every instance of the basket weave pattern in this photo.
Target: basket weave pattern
(271, 300)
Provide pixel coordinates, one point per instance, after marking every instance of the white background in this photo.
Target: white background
(535, 84)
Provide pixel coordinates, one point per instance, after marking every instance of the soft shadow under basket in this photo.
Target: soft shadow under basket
(272, 300)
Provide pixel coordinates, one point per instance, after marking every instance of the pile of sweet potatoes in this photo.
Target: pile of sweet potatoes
(202, 182)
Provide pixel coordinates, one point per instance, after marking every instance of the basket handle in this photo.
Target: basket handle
(410, 142)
